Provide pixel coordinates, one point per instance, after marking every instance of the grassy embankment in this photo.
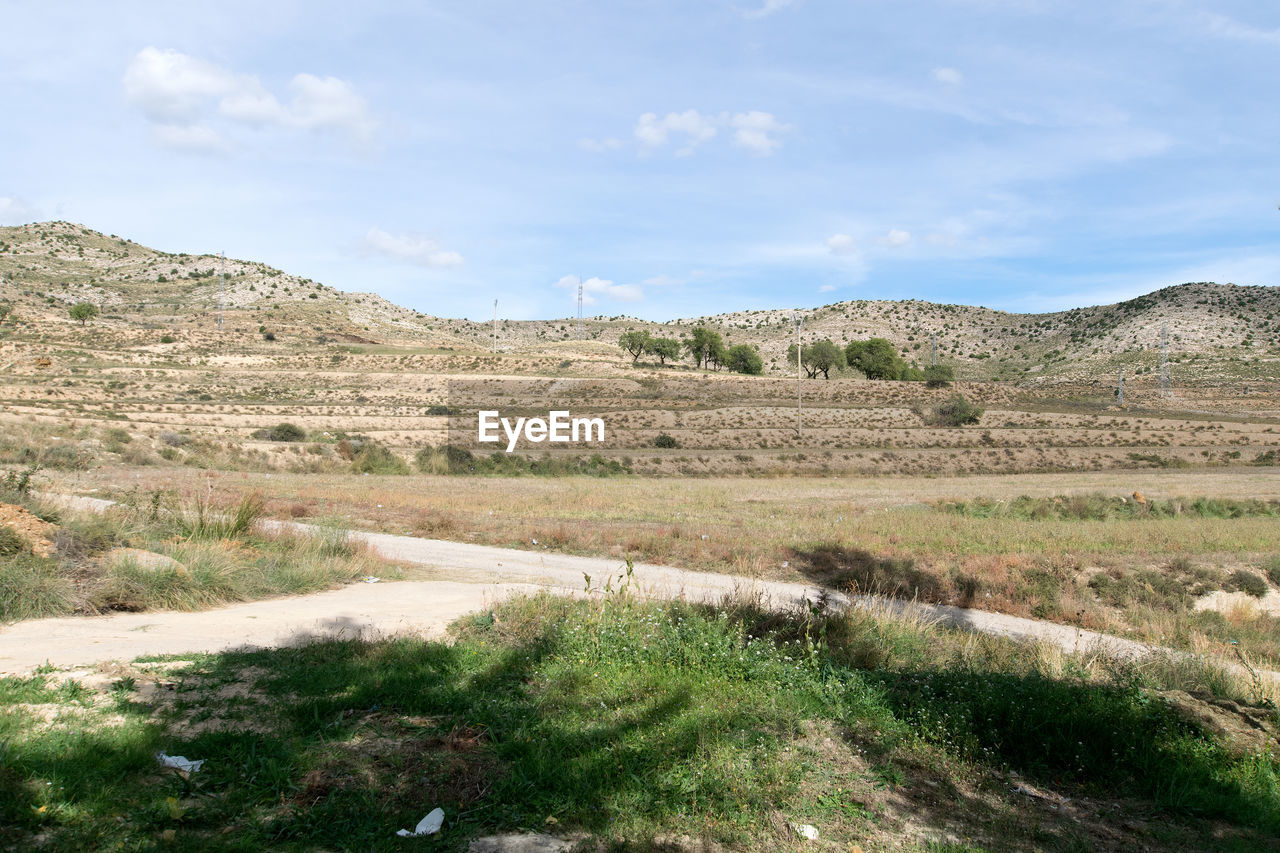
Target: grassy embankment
(637, 722)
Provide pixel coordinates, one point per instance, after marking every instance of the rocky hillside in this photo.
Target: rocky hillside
(1215, 331)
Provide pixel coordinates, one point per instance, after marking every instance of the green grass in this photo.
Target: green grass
(198, 555)
(1100, 507)
(625, 721)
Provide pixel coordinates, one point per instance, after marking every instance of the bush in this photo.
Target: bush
(666, 441)
(174, 439)
(375, 459)
(939, 376)
(83, 312)
(269, 336)
(955, 412)
(286, 432)
(32, 587)
(12, 542)
(1273, 570)
(1247, 582)
(166, 339)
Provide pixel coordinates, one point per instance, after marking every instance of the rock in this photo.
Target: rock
(38, 533)
(517, 843)
(146, 559)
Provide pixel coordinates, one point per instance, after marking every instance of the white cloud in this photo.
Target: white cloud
(654, 132)
(1229, 28)
(327, 103)
(840, 244)
(181, 95)
(595, 286)
(195, 138)
(769, 7)
(15, 211)
(896, 238)
(598, 145)
(756, 131)
(948, 76)
(826, 288)
(412, 248)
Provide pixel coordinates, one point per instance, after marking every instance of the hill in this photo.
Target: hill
(1216, 332)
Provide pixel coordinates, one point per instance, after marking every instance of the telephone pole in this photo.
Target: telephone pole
(222, 288)
(495, 325)
(795, 315)
(1120, 389)
(579, 310)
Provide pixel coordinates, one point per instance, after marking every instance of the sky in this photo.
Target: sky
(676, 158)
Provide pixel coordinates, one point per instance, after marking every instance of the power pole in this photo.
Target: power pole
(1120, 389)
(1165, 389)
(795, 315)
(579, 310)
(495, 325)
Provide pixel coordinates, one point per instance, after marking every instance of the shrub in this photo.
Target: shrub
(666, 441)
(1273, 570)
(12, 542)
(174, 439)
(32, 587)
(373, 458)
(1247, 582)
(939, 376)
(269, 336)
(955, 412)
(286, 432)
(167, 339)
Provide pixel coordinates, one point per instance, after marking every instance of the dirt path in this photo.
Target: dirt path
(464, 578)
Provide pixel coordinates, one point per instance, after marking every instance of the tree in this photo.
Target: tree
(877, 358)
(663, 348)
(956, 412)
(717, 355)
(635, 343)
(939, 376)
(703, 344)
(805, 362)
(743, 358)
(823, 356)
(83, 311)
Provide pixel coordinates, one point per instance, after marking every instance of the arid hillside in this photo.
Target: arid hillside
(1215, 332)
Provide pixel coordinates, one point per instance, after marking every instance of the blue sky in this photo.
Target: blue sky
(680, 158)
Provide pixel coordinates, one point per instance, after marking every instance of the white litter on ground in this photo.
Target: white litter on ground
(429, 825)
(178, 762)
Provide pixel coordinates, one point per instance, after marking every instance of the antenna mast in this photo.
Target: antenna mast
(579, 310)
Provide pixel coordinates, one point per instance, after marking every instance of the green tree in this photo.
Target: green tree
(717, 354)
(956, 412)
(703, 344)
(805, 360)
(743, 358)
(635, 342)
(939, 376)
(876, 358)
(663, 348)
(823, 356)
(83, 311)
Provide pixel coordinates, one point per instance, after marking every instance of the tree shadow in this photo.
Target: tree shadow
(859, 571)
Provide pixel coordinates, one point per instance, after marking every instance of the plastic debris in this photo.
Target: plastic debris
(429, 825)
(806, 830)
(179, 762)
(370, 579)
(535, 542)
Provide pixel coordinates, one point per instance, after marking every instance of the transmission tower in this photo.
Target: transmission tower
(579, 310)
(222, 287)
(1165, 383)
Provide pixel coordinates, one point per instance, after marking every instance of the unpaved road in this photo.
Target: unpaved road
(465, 578)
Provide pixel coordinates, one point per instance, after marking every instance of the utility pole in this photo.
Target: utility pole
(222, 288)
(1120, 389)
(495, 326)
(1165, 389)
(795, 315)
